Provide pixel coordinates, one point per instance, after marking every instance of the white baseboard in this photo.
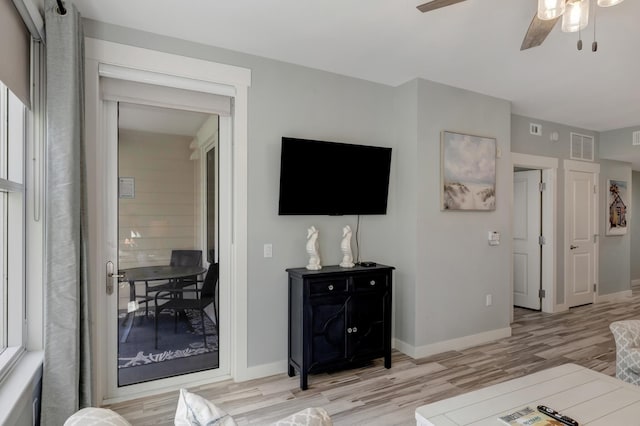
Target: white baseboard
(560, 307)
(635, 283)
(613, 297)
(403, 347)
(460, 343)
(453, 344)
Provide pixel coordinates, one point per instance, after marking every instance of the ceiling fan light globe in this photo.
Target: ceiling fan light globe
(550, 9)
(608, 3)
(576, 16)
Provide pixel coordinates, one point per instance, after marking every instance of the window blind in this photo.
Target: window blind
(15, 43)
(130, 91)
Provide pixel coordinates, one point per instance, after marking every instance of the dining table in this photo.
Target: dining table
(152, 274)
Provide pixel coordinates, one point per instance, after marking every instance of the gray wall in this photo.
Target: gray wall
(615, 250)
(456, 268)
(525, 143)
(617, 145)
(635, 226)
(407, 184)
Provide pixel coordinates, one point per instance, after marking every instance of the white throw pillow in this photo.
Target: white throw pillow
(92, 416)
(306, 417)
(194, 410)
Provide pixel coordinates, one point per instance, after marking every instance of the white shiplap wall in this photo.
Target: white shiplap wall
(162, 216)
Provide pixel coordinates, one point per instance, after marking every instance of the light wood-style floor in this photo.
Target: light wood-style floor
(376, 396)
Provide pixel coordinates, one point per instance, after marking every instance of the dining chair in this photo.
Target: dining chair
(205, 297)
(178, 258)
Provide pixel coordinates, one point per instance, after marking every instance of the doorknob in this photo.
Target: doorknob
(111, 276)
(573, 247)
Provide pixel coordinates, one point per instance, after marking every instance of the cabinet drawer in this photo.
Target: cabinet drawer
(325, 287)
(370, 282)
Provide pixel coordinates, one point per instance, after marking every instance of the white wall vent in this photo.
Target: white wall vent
(581, 147)
(636, 137)
(535, 129)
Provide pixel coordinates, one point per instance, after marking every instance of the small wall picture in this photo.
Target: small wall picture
(468, 172)
(618, 204)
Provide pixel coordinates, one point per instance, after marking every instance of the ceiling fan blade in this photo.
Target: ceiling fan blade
(436, 4)
(538, 31)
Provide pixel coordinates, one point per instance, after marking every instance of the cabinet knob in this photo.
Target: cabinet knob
(372, 282)
(349, 330)
(355, 329)
(330, 287)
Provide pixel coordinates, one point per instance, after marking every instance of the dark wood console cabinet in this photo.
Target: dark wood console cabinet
(338, 317)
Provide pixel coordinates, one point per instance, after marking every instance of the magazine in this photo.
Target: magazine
(530, 417)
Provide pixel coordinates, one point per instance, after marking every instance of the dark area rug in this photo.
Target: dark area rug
(178, 352)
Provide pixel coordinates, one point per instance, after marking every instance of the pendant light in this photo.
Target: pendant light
(607, 3)
(575, 16)
(551, 9)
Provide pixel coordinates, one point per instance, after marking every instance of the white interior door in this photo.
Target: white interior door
(527, 228)
(581, 212)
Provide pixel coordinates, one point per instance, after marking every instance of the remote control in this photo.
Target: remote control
(559, 417)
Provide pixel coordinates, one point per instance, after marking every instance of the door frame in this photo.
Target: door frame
(163, 69)
(593, 168)
(549, 167)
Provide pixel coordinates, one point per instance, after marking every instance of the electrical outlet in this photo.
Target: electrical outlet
(535, 129)
(268, 250)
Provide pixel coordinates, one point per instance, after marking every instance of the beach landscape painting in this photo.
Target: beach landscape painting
(468, 172)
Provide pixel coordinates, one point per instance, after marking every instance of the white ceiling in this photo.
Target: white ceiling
(473, 45)
(160, 120)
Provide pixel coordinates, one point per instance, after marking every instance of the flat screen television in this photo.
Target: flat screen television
(330, 178)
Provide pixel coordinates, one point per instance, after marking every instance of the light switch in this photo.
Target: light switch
(494, 238)
(268, 250)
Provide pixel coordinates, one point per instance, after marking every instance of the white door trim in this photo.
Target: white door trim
(594, 168)
(549, 167)
(172, 71)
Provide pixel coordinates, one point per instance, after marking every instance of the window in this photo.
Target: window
(12, 225)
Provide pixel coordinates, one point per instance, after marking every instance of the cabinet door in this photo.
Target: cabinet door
(366, 326)
(328, 319)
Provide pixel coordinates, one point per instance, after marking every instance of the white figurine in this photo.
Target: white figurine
(345, 247)
(312, 249)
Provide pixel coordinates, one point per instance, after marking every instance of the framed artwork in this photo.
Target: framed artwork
(468, 172)
(618, 204)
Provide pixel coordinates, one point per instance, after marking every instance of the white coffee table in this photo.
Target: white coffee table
(589, 397)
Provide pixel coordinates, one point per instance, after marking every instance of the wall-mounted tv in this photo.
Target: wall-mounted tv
(330, 178)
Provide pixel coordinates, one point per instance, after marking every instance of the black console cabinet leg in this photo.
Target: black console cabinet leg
(292, 371)
(303, 380)
(387, 361)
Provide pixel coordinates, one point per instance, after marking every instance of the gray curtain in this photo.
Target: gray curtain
(66, 384)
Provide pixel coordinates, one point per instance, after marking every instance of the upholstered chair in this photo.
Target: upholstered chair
(627, 336)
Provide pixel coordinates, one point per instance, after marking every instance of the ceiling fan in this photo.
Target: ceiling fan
(539, 28)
